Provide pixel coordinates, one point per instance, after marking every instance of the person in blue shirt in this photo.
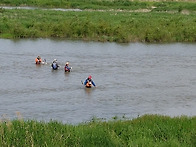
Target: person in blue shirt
(67, 68)
(54, 64)
(89, 82)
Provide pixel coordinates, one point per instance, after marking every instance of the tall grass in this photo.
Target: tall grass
(98, 26)
(148, 130)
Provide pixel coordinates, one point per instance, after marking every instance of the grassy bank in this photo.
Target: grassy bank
(161, 5)
(98, 26)
(119, 20)
(149, 130)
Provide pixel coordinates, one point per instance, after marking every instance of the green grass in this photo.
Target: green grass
(107, 4)
(165, 23)
(148, 130)
(98, 26)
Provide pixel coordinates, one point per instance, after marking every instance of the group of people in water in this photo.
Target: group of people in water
(54, 64)
(88, 82)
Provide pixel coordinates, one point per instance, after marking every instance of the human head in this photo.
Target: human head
(55, 60)
(38, 57)
(67, 63)
(90, 77)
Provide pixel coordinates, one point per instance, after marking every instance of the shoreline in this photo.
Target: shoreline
(148, 22)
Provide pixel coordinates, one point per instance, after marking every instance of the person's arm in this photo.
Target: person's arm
(67, 67)
(93, 83)
(85, 82)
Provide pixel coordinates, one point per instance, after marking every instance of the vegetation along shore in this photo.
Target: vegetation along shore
(101, 20)
(148, 130)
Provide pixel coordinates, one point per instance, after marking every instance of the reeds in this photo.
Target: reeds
(148, 130)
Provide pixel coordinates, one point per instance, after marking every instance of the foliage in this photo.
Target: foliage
(148, 130)
(98, 26)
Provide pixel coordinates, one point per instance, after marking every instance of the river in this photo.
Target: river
(132, 80)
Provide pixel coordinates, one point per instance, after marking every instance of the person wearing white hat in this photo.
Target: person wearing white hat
(54, 64)
(67, 68)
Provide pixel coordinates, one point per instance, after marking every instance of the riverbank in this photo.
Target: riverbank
(114, 21)
(155, 5)
(148, 130)
(103, 26)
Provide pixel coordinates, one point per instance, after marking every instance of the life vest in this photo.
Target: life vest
(38, 61)
(54, 66)
(89, 84)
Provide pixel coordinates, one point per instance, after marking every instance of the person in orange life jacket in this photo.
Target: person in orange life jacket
(67, 68)
(88, 82)
(38, 60)
(54, 64)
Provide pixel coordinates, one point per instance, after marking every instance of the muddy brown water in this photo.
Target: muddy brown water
(132, 79)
